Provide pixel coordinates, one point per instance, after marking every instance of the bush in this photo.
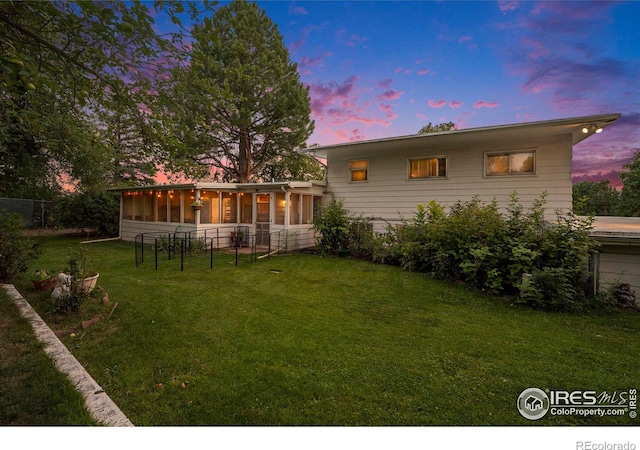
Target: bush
(333, 226)
(484, 248)
(16, 250)
(98, 211)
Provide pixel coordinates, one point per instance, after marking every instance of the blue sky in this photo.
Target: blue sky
(381, 68)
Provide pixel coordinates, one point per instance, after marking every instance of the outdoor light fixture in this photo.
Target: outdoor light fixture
(591, 129)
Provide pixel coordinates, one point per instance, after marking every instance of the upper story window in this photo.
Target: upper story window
(510, 163)
(427, 167)
(359, 170)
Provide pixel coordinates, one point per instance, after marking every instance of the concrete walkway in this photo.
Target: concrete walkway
(100, 406)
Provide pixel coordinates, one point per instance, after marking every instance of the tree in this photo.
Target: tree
(439, 128)
(599, 199)
(630, 194)
(65, 66)
(239, 105)
(291, 166)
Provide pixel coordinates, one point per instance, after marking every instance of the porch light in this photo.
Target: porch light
(591, 129)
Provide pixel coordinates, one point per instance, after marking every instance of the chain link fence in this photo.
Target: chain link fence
(35, 213)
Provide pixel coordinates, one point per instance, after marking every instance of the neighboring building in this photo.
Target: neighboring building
(618, 258)
(262, 209)
(387, 178)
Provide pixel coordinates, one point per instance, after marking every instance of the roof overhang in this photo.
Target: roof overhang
(240, 187)
(579, 128)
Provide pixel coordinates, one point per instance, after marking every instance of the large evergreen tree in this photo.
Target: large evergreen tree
(239, 105)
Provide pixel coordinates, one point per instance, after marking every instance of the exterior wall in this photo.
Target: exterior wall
(619, 264)
(389, 194)
(129, 229)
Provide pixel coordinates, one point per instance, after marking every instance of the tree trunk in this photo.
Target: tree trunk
(244, 157)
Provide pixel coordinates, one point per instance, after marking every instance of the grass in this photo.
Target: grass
(305, 340)
(32, 390)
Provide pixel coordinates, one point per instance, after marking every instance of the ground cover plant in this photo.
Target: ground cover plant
(309, 340)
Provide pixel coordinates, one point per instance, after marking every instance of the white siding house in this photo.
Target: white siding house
(387, 178)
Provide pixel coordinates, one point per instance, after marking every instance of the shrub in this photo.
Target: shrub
(333, 226)
(479, 245)
(99, 211)
(16, 250)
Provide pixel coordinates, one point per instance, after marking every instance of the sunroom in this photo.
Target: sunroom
(230, 212)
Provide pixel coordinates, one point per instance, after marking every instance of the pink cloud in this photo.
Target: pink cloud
(425, 72)
(483, 104)
(352, 40)
(437, 103)
(402, 71)
(306, 62)
(384, 84)
(508, 5)
(353, 135)
(390, 95)
(296, 10)
(340, 103)
(454, 104)
(465, 39)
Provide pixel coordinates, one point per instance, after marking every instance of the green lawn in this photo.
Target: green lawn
(32, 390)
(305, 340)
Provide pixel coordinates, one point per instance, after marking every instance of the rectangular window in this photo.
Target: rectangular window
(280, 206)
(307, 209)
(359, 170)
(174, 200)
(129, 205)
(210, 212)
(294, 209)
(427, 168)
(246, 210)
(161, 197)
(148, 207)
(515, 163)
(189, 213)
(229, 207)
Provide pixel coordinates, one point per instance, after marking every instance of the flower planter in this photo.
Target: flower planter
(44, 285)
(85, 285)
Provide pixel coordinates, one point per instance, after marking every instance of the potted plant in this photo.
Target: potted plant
(197, 204)
(84, 276)
(44, 280)
(236, 237)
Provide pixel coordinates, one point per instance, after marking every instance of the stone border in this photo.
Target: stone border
(100, 406)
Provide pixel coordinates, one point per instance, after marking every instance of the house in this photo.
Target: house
(387, 178)
(222, 210)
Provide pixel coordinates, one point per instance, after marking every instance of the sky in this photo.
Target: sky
(379, 69)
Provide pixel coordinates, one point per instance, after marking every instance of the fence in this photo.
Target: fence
(168, 246)
(35, 213)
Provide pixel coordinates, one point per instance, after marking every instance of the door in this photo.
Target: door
(263, 219)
